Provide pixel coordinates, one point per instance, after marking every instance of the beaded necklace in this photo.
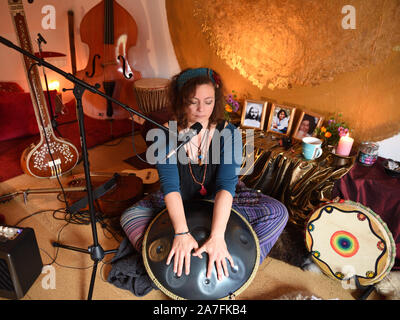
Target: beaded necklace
(203, 190)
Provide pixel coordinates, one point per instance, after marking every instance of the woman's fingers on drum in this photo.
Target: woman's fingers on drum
(219, 270)
(171, 254)
(225, 267)
(199, 251)
(230, 259)
(181, 262)
(187, 264)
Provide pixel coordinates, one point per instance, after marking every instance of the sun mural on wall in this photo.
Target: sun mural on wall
(322, 56)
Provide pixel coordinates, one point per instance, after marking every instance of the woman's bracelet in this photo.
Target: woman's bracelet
(181, 234)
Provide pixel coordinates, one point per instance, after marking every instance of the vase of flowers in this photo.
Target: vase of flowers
(331, 132)
(232, 105)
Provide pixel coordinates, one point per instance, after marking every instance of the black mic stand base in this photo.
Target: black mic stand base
(96, 254)
(96, 251)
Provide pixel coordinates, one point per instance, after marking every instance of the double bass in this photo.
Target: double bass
(109, 31)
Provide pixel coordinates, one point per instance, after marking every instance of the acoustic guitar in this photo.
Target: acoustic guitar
(148, 177)
(51, 156)
(128, 188)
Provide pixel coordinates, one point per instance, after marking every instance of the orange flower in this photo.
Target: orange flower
(228, 108)
(328, 134)
(323, 129)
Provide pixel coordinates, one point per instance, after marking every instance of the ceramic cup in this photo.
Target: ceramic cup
(311, 148)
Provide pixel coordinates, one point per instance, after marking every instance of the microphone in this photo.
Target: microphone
(41, 39)
(193, 131)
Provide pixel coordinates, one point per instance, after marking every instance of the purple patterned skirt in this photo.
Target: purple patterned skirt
(266, 215)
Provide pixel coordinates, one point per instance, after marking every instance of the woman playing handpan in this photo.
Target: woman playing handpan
(202, 171)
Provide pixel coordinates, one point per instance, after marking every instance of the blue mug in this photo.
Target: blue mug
(311, 148)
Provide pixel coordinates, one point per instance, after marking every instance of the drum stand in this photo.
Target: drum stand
(367, 290)
(96, 251)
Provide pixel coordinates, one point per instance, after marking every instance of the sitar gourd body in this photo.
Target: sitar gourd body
(51, 156)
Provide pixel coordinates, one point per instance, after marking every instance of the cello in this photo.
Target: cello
(109, 31)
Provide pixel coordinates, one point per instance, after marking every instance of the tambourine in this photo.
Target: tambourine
(347, 239)
(241, 241)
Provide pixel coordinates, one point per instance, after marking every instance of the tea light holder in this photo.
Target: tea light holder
(368, 153)
(342, 161)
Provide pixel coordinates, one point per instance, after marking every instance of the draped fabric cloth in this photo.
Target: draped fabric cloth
(301, 185)
(375, 189)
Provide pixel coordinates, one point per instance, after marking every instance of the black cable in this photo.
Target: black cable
(31, 215)
(70, 219)
(133, 140)
(113, 144)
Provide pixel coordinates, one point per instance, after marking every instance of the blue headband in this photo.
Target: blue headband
(194, 73)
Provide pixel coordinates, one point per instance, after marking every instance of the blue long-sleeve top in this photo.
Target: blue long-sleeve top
(222, 170)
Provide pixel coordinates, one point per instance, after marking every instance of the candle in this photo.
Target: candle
(344, 146)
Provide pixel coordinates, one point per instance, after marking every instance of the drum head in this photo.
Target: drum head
(349, 240)
(151, 83)
(242, 245)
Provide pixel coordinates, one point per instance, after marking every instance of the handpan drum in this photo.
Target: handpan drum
(347, 240)
(242, 243)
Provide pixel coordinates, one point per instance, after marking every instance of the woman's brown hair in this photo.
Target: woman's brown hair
(182, 89)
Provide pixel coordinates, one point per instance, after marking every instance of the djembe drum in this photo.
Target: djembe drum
(151, 93)
(242, 243)
(347, 239)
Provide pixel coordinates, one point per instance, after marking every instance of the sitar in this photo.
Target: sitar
(51, 156)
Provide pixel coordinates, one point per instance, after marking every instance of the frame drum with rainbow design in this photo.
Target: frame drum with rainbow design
(347, 239)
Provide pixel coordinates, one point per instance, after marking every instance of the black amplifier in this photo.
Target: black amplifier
(20, 261)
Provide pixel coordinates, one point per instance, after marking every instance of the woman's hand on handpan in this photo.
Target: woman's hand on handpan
(217, 252)
(182, 247)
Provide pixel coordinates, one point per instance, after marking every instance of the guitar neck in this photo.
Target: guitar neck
(31, 69)
(10, 196)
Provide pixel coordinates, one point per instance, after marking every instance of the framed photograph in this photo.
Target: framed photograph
(307, 124)
(281, 119)
(253, 114)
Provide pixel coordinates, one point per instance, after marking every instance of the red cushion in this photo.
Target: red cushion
(10, 87)
(17, 116)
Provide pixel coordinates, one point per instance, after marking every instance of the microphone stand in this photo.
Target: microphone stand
(96, 251)
(53, 117)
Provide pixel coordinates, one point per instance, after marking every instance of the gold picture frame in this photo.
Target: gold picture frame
(308, 122)
(253, 114)
(283, 125)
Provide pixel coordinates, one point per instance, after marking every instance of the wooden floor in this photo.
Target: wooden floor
(72, 270)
